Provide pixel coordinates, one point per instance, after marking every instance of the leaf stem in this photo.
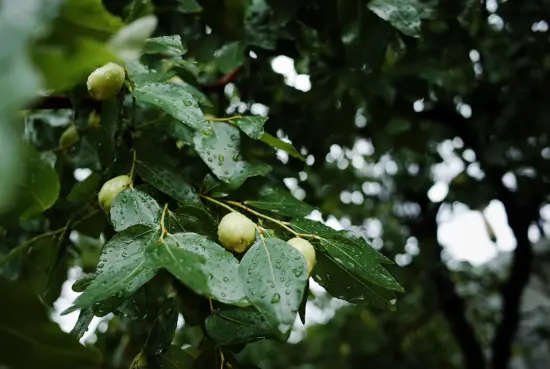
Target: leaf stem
(27, 244)
(227, 119)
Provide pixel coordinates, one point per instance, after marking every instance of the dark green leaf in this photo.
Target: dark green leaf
(253, 126)
(40, 190)
(282, 145)
(206, 267)
(135, 307)
(188, 6)
(141, 75)
(169, 181)
(164, 327)
(122, 267)
(359, 259)
(132, 207)
(230, 56)
(303, 304)
(235, 326)
(31, 340)
(106, 136)
(175, 100)
(274, 275)
(190, 219)
(214, 188)
(280, 201)
(85, 190)
(84, 319)
(342, 284)
(174, 358)
(401, 14)
(81, 284)
(219, 149)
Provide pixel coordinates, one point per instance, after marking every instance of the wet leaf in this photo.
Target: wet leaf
(401, 14)
(132, 207)
(279, 201)
(164, 327)
(169, 181)
(252, 126)
(282, 145)
(122, 267)
(175, 100)
(237, 326)
(219, 149)
(206, 267)
(274, 276)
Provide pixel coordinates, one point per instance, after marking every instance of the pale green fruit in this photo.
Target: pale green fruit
(69, 137)
(105, 82)
(236, 232)
(306, 249)
(111, 189)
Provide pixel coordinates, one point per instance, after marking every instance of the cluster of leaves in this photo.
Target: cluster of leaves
(189, 167)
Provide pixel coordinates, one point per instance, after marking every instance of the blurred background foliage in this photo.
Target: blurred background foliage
(408, 113)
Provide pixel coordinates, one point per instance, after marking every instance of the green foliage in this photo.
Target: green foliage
(204, 125)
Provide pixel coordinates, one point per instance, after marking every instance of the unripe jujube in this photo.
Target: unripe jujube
(69, 137)
(306, 249)
(111, 189)
(236, 232)
(106, 81)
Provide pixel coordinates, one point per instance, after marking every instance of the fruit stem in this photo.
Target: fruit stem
(219, 203)
(245, 208)
(134, 159)
(164, 231)
(27, 244)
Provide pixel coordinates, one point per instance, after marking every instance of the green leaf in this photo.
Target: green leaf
(253, 126)
(166, 45)
(169, 181)
(274, 275)
(81, 284)
(191, 219)
(129, 41)
(85, 190)
(132, 207)
(230, 56)
(237, 326)
(135, 307)
(219, 149)
(280, 201)
(188, 6)
(63, 66)
(90, 14)
(173, 358)
(21, 25)
(206, 267)
(110, 116)
(175, 100)
(122, 267)
(163, 329)
(142, 75)
(213, 187)
(282, 145)
(399, 13)
(359, 259)
(31, 340)
(342, 284)
(84, 319)
(40, 189)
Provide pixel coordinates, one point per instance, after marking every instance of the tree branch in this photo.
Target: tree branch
(452, 305)
(520, 211)
(63, 102)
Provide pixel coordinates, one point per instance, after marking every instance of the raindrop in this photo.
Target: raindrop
(225, 279)
(275, 298)
(287, 292)
(187, 102)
